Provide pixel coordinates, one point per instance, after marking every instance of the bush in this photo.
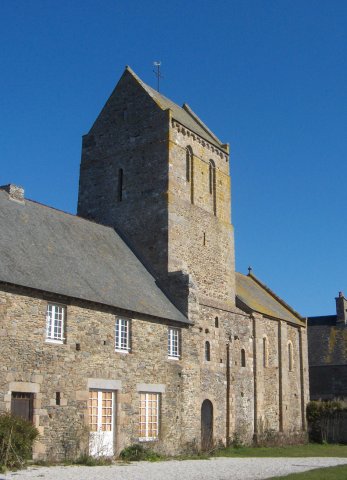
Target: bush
(17, 437)
(326, 420)
(90, 461)
(137, 452)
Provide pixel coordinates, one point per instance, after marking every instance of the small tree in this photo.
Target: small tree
(16, 440)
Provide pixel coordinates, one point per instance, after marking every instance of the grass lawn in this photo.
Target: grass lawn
(329, 473)
(309, 450)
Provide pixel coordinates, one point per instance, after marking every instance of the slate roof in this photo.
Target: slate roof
(253, 295)
(53, 251)
(183, 115)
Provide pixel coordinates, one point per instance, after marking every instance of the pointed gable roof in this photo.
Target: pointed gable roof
(253, 295)
(184, 115)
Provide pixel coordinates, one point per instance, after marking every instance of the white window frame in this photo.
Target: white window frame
(122, 335)
(146, 396)
(55, 326)
(173, 340)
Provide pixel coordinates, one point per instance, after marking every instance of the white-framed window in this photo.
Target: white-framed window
(122, 335)
(173, 343)
(149, 416)
(55, 323)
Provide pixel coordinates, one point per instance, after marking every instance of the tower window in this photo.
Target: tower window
(190, 171)
(290, 356)
(120, 185)
(216, 322)
(265, 352)
(207, 351)
(212, 185)
(243, 357)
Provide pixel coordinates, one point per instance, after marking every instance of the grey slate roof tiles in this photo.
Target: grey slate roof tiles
(255, 296)
(53, 251)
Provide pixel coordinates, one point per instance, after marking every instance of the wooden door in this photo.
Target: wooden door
(22, 405)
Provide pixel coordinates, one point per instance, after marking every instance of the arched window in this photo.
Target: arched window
(265, 352)
(190, 171)
(243, 357)
(290, 356)
(207, 351)
(212, 185)
(120, 185)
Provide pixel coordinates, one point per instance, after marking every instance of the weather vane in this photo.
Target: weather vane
(157, 73)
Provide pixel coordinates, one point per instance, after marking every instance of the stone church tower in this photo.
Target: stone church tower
(157, 174)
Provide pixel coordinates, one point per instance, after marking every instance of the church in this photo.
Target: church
(127, 322)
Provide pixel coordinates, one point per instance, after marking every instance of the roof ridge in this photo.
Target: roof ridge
(187, 108)
(158, 98)
(74, 215)
(273, 294)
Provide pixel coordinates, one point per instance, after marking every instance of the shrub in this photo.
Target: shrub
(137, 452)
(90, 461)
(16, 440)
(326, 421)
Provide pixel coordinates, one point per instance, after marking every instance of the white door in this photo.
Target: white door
(101, 422)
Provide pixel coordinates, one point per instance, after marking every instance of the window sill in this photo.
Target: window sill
(118, 350)
(150, 439)
(52, 340)
(173, 358)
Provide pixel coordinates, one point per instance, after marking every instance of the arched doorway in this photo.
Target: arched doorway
(206, 425)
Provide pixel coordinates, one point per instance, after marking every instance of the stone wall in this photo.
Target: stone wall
(31, 364)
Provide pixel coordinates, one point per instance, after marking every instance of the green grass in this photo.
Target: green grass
(309, 450)
(329, 473)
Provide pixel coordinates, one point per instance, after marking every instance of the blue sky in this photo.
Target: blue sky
(267, 76)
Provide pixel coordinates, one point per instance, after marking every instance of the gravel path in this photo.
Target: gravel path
(213, 469)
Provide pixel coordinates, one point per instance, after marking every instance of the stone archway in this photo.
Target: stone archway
(206, 425)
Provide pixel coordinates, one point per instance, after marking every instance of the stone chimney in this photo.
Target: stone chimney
(341, 309)
(14, 192)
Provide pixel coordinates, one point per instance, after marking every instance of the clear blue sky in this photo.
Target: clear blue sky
(267, 76)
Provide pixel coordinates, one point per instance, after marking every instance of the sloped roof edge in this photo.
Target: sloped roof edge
(184, 115)
(276, 297)
(254, 295)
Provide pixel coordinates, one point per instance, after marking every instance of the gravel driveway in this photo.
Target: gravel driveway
(214, 469)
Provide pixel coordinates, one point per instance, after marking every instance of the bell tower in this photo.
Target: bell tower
(153, 171)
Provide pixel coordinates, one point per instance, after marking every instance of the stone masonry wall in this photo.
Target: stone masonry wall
(31, 364)
(200, 242)
(129, 134)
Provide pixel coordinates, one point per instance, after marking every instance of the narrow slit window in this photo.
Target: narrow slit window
(212, 185)
(243, 357)
(207, 351)
(190, 171)
(290, 356)
(265, 352)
